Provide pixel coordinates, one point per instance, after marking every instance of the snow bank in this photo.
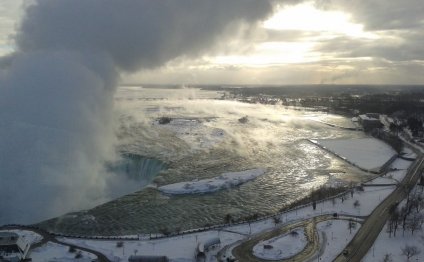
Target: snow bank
(281, 247)
(226, 180)
(367, 153)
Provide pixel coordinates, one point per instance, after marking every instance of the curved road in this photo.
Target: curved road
(243, 252)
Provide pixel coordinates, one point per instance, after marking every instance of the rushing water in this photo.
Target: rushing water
(138, 168)
(204, 139)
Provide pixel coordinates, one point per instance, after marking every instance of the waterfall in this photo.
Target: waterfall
(138, 168)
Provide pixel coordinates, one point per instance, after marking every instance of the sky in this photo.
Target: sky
(300, 42)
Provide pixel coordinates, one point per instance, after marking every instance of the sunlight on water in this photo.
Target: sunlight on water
(205, 138)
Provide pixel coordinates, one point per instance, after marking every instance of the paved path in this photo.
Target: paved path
(368, 233)
(47, 237)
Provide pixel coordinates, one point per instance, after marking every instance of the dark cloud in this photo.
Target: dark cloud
(135, 33)
(397, 47)
(56, 90)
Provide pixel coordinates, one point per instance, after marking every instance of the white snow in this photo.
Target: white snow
(178, 248)
(226, 180)
(389, 245)
(27, 235)
(367, 153)
(182, 248)
(407, 152)
(283, 246)
(334, 237)
(52, 252)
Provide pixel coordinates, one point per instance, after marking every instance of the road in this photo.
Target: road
(50, 238)
(368, 233)
(243, 252)
(362, 241)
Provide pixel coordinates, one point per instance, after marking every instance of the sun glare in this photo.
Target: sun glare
(305, 17)
(318, 25)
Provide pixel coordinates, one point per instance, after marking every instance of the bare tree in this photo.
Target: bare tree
(351, 225)
(415, 200)
(410, 251)
(387, 258)
(414, 222)
(356, 203)
(393, 221)
(277, 219)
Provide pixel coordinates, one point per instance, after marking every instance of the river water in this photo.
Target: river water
(206, 137)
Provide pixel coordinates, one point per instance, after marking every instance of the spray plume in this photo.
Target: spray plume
(56, 90)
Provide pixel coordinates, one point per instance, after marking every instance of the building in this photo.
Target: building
(369, 121)
(12, 247)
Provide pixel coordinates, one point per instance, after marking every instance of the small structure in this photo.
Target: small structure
(370, 121)
(200, 252)
(212, 243)
(148, 259)
(12, 247)
(202, 248)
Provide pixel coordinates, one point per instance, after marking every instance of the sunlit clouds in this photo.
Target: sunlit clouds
(306, 17)
(300, 42)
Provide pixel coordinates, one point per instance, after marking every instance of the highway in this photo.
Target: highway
(369, 231)
(362, 241)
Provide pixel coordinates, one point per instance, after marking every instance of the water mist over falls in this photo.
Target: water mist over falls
(57, 88)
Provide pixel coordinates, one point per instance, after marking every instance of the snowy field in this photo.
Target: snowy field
(52, 252)
(226, 180)
(392, 248)
(367, 153)
(334, 237)
(281, 247)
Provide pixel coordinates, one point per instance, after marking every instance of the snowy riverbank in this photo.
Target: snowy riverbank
(368, 154)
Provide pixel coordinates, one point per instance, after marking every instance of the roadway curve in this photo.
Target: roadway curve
(368, 233)
(243, 252)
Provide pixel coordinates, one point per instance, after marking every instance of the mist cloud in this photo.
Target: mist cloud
(56, 90)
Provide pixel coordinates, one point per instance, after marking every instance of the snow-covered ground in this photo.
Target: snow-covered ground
(281, 247)
(182, 248)
(27, 235)
(178, 248)
(367, 153)
(225, 180)
(337, 235)
(390, 246)
(52, 252)
(407, 152)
